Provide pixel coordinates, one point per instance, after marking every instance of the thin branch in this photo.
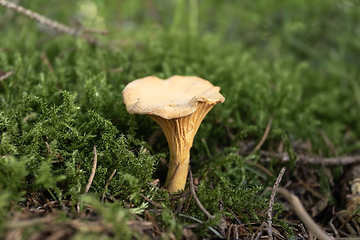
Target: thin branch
(305, 235)
(236, 232)
(259, 231)
(48, 148)
(260, 167)
(198, 203)
(7, 16)
(333, 228)
(151, 201)
(6, 75)
(229, 231)
(41, 19)
(272, 200)
(91, 178)
(188, 203)
(181, 204)
(75, 32)
(107, 184)
(356, 225)
(151, 218)
(236, 217)
(267, 130)
(342, 160)
(303, 214)
(346, 224)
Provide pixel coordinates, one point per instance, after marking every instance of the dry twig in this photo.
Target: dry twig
(48, 148)
(8, 15)
(305, 235)
(346, 224)
(259, 231)
(151, 201)
(342, 160)
(272, 200)
(151, 218)
(75, 32)
(6, 75)
(356, 225)
(107, 184)
(260, 167)
(91, 178)
(333, 228)
(179, 208)
(302, 214)
(198, 203)
(236, 217)
(267, 130)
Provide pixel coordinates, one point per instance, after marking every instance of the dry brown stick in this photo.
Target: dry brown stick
(342, 160)
(223, 223)
(236, 217)
(259, 232)
(188, 204)
(333, 228)
(54, 202)
(91, 178)
(260, 167)
(236, 232)
(15, 223)
(181, 204)
(48, 148)
(107, 184)
(229, 231)
(157, 228)
(231, 136)
(198, 203)
(303, 231)
(8, 15)
(41, 19)
(302, 214)
(6, 75)
(267, 130)
(272, 200)
(345, 222)
(356, 226)
(151, 201)
(48, 22)
(347, 225)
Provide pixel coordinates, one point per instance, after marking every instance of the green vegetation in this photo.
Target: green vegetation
(295, 61)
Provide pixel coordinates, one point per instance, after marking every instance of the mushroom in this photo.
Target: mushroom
(178, 105)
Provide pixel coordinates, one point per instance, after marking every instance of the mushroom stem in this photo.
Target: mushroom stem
(180, 133)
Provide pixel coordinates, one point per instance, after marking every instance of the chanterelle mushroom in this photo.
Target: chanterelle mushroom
(178, 105)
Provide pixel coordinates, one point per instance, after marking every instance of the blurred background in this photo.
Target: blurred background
(297, 61)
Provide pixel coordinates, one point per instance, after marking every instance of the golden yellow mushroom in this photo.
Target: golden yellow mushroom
(178, 105)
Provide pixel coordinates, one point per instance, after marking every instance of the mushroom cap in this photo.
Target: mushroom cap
(175, 97)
